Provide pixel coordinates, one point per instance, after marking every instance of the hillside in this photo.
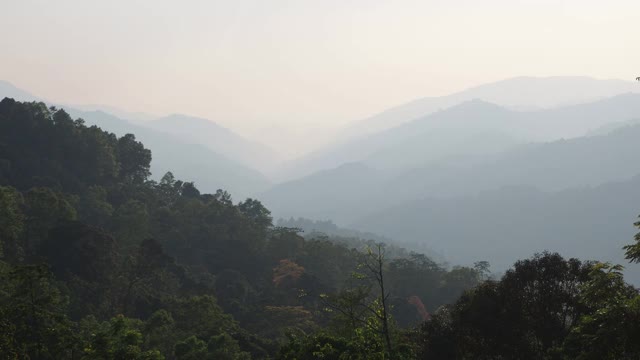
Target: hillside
(99, 260)
(189, 161)
(470, 128)
(417, 161)
(501, 224)
(185, 156)
(218, 139)
(520, 93)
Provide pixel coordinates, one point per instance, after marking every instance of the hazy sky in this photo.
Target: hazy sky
(255, 64)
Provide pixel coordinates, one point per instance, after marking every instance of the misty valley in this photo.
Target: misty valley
(492, 223)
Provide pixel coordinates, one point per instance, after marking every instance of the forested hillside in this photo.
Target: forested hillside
(101, 262)
(221, 162)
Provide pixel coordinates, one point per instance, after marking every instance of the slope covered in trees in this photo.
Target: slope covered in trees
(222, 161)
(100, 262)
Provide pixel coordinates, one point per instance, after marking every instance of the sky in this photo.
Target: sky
(288, 67)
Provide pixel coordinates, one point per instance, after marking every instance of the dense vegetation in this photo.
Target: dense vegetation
(100, 262)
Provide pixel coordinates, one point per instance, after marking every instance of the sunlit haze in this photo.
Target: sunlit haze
(279, 70)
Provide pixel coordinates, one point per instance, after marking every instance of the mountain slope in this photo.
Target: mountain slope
(192, 162)
(217, 138)
(557, 165)
(550, 166)
(524, 93)
(9, 90)
(324, 195)
(515, 222)
(472, 127)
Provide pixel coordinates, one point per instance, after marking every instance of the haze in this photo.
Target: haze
(278, 70)
(297, 179)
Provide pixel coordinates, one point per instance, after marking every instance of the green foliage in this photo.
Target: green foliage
(94, 207)
(34, 320)
(220, 347)
(11, 221)
(152, 270)
(633, 250)
(527, 314)
(327, 346)
(134, 160)
(131, 223)
(44, 209)
(118, 339)
(611, 329)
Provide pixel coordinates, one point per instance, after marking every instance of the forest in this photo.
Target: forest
(99, 261)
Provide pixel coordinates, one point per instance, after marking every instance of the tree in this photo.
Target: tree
(374, 263)
(633, 250)
(131, 223)
(219, 347)
(362, 311)
(146, 276)
(33, 312)
(11, 221)
(611, 329)
(94, 208)
(325, 345)
(88, 265)
(256, 213)
(527, 314)
(134, 159)
(44, 210)
(119, 339)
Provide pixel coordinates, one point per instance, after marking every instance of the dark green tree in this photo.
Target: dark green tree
(11, 222)
(34, 315)
(118, 339)
(611, 329)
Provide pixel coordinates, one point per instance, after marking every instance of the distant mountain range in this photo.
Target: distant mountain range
(220, 164)
(187, 160)
(217, 138)
(515, 222)
(465, 149)
(520, 93)
(479, 181)
(472, 127)
(493, 173)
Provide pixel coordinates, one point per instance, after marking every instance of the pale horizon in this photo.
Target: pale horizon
(294, 67)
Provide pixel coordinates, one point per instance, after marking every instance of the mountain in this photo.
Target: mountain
(515, 222)
(186, 158)
(520, 93)
(325, 194)
(550, 166)
(431, 137)
(191, 162)
(472, 127)
(217, 138)
(122, 114)
(9, 90)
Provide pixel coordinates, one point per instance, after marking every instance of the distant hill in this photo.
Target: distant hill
(217, 138)
(473, 127)
(9, 90)
(556, 165)
(520, 93)
(515, 222)
(330, 194)
(186, 158)
(192, 162)
(343, 196)
(136, 117)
